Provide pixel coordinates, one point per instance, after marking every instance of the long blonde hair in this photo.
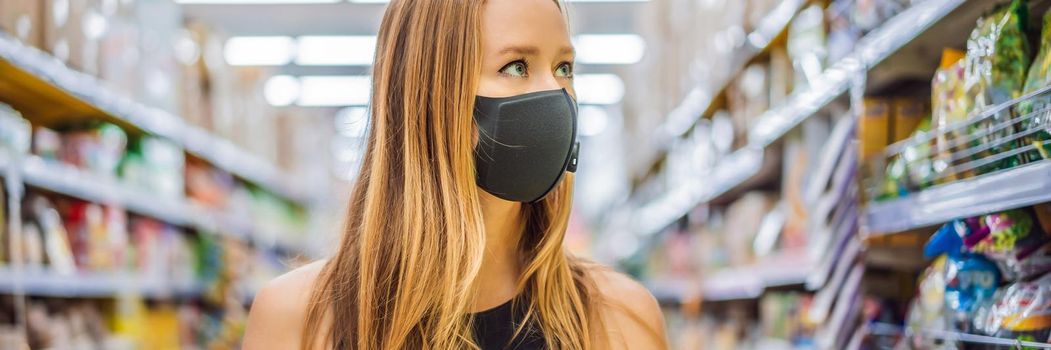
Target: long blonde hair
(402, 276)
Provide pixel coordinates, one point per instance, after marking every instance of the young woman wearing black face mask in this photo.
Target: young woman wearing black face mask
(454, 231)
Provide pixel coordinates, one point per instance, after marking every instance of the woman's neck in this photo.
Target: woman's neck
(500, 268)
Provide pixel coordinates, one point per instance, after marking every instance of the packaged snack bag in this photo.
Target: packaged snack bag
(927, 310)
(1012, 236)
(949, 105)
(970, 283)
(1022, 311)
(995, 72)
(1039, 77)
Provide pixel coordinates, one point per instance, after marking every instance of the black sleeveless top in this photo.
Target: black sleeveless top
(494, 328)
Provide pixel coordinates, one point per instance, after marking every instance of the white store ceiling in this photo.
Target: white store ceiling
(344, 18)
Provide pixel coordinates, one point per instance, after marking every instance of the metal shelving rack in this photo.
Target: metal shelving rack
(53, 86)
(738, 167)
(837, 275)
(67, 180)
(948, 336)
(32, 69)
(965, 191)
(43, 282)
(891, 330)
(700, 98)
(738, 283)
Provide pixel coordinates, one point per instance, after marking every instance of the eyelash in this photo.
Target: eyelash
(509, 64)
(569, 66)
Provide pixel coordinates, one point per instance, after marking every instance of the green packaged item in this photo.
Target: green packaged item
(98, 148)
(995, 72)
(14, 131)
(894, 185)
(156, 165)
(913, 169)
(949, 106)
(1038, 78)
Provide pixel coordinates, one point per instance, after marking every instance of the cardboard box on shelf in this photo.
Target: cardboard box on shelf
(63, 28)
(908, 113)
(254, 127)
(743, 220)
(24, 20)
(874, 127)
(159, 23)
(218, 84)
(119, 56)
(195, 104)
(304, 131)
(94, 28)
(747, 98)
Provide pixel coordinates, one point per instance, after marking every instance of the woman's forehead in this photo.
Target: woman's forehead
(523, 24)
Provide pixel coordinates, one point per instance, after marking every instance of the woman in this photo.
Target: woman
(454, 233)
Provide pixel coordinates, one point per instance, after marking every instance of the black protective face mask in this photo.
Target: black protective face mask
(525, 143)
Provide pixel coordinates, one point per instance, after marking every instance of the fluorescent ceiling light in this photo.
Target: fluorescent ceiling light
(609, 48)
(593, 120)
(386, 1)
(281, 90)
(256, 2)
(259, 50)
(334, 91)
(598, 89)
(335, 50)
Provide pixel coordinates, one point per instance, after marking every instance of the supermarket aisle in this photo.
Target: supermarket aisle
(161, 160)
(794, 174)
(900, 182)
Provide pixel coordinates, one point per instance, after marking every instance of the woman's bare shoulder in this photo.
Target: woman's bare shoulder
(278, 312)
(629, 313)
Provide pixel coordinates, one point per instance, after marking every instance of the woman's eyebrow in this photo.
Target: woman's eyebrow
(521, 50)
(529, 50)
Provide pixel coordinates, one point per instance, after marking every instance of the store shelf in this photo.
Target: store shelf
(699, 99)
(750, 282)
(1018, 187)
(734, 170)
(34, 80)
(674, 292)
(740, 283)
(226, 155)
(71, 181)
(834, 81)
(40, 282)
(949, 336)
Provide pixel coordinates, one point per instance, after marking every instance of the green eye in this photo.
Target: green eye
(564, 70)
(516, 69)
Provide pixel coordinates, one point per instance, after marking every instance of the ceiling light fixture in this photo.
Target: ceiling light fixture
(334, 91)
(599, 89)
(598, 1)
(255, 2)
(335, 50)
(593, 120)
(259, 50)
(281, 90)
(609, 48)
